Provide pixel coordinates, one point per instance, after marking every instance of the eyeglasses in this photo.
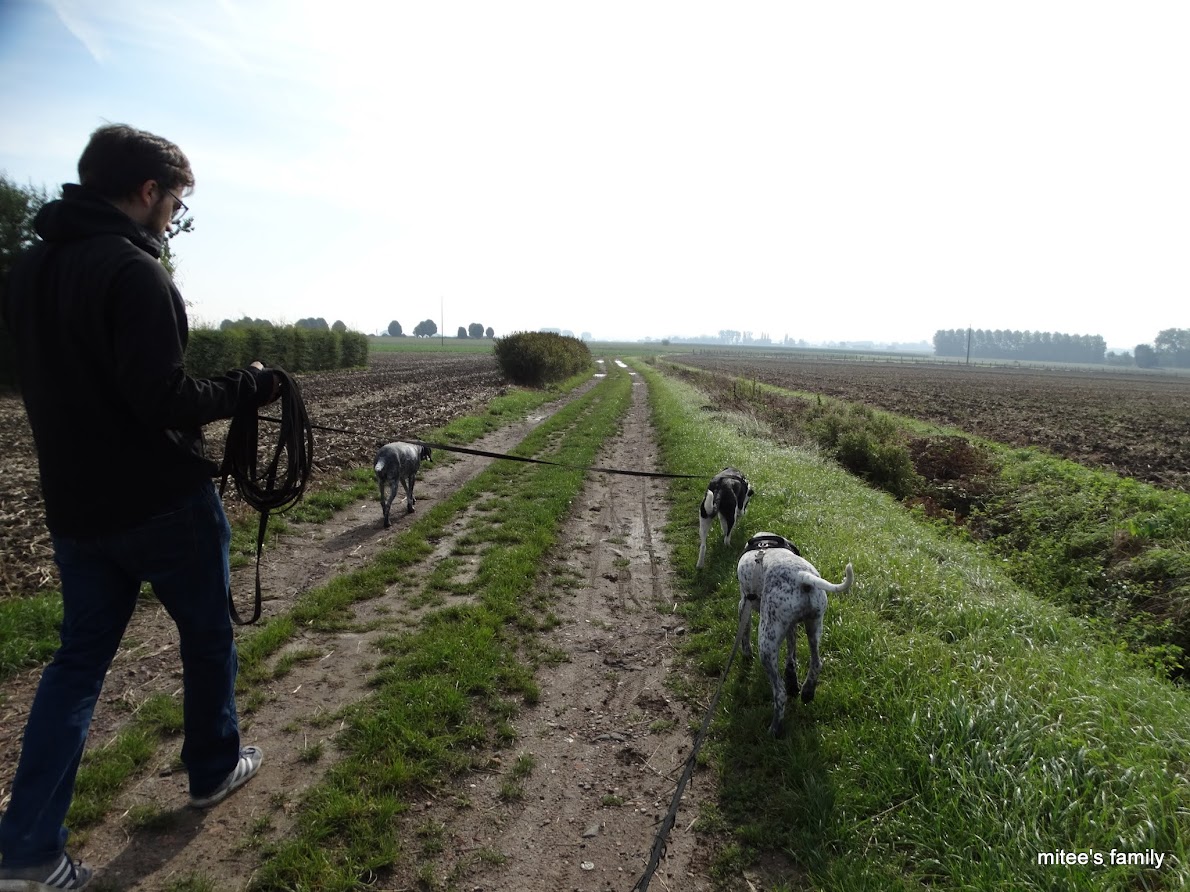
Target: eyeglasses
(179, 206)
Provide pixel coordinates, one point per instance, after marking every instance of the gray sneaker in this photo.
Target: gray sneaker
(64, 873)
(249, 764)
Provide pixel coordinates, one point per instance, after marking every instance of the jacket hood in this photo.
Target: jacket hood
(81, 213)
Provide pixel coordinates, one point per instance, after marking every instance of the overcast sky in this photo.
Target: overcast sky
(825, 171)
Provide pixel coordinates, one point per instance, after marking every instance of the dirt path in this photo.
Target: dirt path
(607, 740)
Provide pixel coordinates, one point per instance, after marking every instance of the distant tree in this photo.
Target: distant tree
(475, 330)
(394, 329)
(425, 329)
(244, 322)
(18, 207)
(489, 333)
(1146, 356)
(462, 332)
(1173, 347)
(339, 326)
(318, 324)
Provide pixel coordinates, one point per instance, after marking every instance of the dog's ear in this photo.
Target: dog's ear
(379, 444)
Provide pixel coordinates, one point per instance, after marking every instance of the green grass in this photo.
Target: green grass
(28, 631)
(1109, 548)
(962, 724)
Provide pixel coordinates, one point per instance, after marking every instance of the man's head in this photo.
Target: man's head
(142, 174)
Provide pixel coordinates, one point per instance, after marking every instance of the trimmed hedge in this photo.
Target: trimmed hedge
(536, 358)
(211, 352)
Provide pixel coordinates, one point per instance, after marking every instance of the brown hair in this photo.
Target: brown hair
(119, 158)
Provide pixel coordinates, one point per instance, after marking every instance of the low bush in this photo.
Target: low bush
(867, 443)
(537, 358)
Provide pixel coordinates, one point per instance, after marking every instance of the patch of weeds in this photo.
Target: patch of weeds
(491, 856)
(191, 882)
(28, 631)
(433, 838)
(105, 770)
(523, 766)
(311, 753)
(256, 836)
(149, 816)
(511, 791)
(427, 880)
(163, 713)
(661, 726)
(610, 800)
(291, 658)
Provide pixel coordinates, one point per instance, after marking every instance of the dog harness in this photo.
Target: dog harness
(760, 543)
(765, 543)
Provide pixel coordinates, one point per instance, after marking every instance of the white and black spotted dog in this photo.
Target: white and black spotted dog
(786, 590)
(397, 465)
(727, 498)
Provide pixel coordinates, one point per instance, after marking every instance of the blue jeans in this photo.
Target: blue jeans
(183, 554)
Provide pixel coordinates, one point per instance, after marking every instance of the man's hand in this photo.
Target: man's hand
(276, 384)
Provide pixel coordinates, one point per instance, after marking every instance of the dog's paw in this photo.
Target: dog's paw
(807, 694)
(776, 729)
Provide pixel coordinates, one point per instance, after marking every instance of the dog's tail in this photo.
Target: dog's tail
(845, 585)
(380, 464)
(708, 506)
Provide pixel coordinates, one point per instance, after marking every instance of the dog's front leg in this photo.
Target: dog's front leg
(386, 502)
(704, 527)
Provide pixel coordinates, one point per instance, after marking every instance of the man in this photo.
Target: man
(129, 497)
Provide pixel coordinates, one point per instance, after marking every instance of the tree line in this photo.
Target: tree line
(1037, 346)
(1170, 349)
(428, 328)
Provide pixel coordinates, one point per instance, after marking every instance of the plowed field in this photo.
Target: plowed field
(1137, 425)
(399, 395)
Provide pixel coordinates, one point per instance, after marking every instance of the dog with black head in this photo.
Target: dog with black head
(397, 465)
(787, 591)
(727, 498)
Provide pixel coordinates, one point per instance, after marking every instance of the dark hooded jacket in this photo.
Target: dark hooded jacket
(100, 334)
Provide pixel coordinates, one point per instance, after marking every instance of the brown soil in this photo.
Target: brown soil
(607, 740)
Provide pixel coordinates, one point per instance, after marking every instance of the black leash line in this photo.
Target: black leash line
(295, 441)
(671, 816)
(446, 447)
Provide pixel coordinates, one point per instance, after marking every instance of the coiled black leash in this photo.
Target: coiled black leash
(295, 440)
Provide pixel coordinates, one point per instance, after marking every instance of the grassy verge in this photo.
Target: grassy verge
(963, 726)
(1109, 548)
